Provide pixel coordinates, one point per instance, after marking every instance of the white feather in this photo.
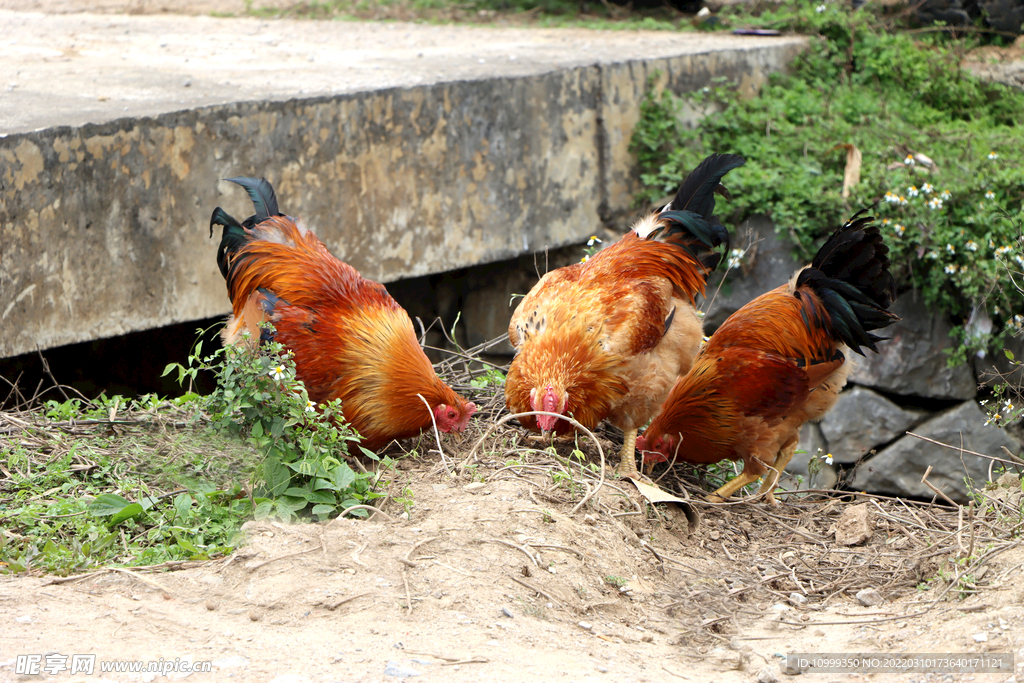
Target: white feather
(645, 225)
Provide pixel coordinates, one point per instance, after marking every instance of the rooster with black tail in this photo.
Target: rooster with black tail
(778, 362)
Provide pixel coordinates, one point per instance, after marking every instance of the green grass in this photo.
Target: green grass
(150, 486)
(126, 483)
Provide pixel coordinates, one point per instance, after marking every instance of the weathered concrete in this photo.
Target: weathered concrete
(409, 149)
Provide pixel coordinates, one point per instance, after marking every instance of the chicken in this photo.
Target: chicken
(607, 338)
(350, 339)
(778, 362)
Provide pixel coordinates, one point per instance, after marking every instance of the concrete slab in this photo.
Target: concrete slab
(411, 149)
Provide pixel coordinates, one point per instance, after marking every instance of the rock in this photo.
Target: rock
(854, 526)
(949, 12)
(980, 637)
(913, 361)
(728, 659)
(797, 599)
(811, 444)
(586, 625)
(398, 671)
(768, 263)
(1003, 15)
(862, 420)
(869, 597)
(507, 612)
(230, 662)
(767, 675)
(897, 470)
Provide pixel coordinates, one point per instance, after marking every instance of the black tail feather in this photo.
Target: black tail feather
(691, 213)
(232, 237)
(263, 198)
(235, 234)
(697, 193)
(850, 274)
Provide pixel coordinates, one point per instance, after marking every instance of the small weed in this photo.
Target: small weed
(491, 378)
(616, 581)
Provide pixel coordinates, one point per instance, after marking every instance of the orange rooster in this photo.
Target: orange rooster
(351, 340)
(778, 362)
(607, 338)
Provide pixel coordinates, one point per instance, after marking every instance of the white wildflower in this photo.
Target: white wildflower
(899, 229)
(277, 372)
(819, 9)
(593, 239)
(945, 194)
(971, 245)
(990, 195)
(912, 191)
(909, 161)
(903, 201)
(892, 198)
(735, 258)
(950, 248)
(934, 203)
(886, 221)
(993, 155)
(584, 259)
(828, 459)
(927, 188)
(310, 406)
(1003, 250)
(1019, 259)
(932, 254)
(950, 269)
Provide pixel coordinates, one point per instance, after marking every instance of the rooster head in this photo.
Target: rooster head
(550, 400)
(658, 449)
(453, 418)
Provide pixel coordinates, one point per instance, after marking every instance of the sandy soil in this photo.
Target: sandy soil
(498, 581)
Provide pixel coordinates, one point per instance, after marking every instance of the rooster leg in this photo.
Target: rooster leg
(772, 478)
(627, 456)
(735, 484)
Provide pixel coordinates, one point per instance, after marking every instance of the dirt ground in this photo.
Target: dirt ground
(493, 577)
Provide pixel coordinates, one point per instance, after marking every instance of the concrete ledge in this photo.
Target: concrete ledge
(460, 157)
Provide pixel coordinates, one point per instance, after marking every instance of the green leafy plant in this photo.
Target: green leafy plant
(940, 155)
(303, 446)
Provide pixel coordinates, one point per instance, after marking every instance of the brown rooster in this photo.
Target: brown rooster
(778, 362)
(351, 340)
(607, 338)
